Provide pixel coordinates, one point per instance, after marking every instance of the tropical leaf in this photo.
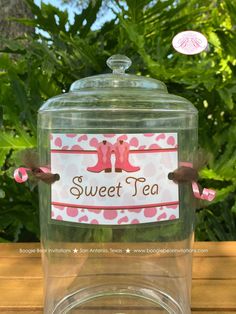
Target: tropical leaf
(8, 141)
(3, 154)
(84, 21)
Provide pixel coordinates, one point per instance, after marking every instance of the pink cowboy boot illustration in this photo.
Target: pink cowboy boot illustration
(104, 150)
(121, 150)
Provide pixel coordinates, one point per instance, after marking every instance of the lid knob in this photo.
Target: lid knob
(119, 63)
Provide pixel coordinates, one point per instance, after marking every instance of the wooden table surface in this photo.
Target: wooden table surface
(213, 284)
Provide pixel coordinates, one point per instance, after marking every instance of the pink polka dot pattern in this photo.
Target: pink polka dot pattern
(154, 146)
(76, 147)
(134, 142)
(122, 138)
(59, 207)
(83, 218)
(136, 210)
(110, 214)
(93, 142)
(96, 211)
(160, 137)
(137, 141)
(71, 211)
(142, 147)
(171, 141)
(172, 206)
(58, 142)
(114, 217)
(161, 217)
(150, 212)
(124, 219)
(82, 138)
(148, 134)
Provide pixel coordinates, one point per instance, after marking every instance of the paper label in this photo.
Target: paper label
(114, 179)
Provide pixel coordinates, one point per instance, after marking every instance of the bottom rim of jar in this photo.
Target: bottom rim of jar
(160, 301)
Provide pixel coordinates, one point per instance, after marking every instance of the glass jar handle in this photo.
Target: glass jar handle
(119, 63)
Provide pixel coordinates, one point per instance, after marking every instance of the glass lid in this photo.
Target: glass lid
(118, 78)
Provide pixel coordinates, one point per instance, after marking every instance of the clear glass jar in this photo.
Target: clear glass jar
(115, 231)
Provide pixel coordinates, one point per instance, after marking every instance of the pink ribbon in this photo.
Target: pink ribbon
(21, 175)
(207, 194)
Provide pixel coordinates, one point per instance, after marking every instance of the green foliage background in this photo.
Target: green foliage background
(33, 69)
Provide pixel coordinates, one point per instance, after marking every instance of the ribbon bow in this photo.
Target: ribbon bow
(21, 175)
(207, 194)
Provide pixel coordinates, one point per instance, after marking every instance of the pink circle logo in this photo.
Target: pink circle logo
(189, 42)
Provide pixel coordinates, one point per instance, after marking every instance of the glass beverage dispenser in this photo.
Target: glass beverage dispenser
(116, 230)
